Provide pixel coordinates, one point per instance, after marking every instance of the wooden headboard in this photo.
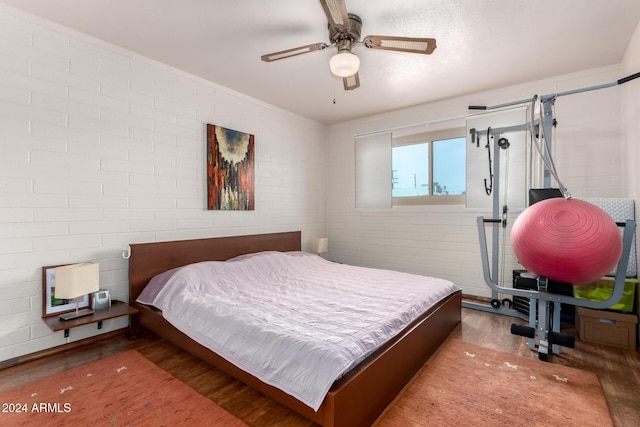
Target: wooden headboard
(150, 259)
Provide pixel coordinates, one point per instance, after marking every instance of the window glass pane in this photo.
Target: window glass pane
(410, 164)
(449, 166)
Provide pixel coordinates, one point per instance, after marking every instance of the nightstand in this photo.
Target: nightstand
(117, 309)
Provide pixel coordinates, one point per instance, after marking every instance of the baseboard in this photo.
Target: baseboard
(475, 298)
(61, 348)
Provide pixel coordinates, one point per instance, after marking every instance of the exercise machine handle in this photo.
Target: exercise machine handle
(628, 78)
(492, 220)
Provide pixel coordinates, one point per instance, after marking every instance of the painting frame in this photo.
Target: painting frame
(230, 169)
(52, 306)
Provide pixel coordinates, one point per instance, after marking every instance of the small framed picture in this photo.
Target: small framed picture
(52, 306)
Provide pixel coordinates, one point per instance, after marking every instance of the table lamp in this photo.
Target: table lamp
(320, 245)
(75, 281)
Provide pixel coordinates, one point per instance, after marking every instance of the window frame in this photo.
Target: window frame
(429, 137)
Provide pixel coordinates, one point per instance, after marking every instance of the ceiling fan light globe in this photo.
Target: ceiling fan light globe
(344, 64)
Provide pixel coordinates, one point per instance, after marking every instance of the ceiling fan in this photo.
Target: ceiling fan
(344, 34)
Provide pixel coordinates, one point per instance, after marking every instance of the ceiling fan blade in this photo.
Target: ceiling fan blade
(336, 11)
(352, 82)
(293, 52)
(401, 44)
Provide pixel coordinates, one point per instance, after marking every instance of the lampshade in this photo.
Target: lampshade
(76, 280)
(344, 64)
(320, 245)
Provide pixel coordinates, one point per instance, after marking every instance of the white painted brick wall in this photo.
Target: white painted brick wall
(442, 241)
(101, 148)
(630, 99)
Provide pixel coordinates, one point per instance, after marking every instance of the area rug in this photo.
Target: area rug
(122, 390)
(468, 385)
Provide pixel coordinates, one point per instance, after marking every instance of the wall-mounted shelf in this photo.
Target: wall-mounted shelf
(116, 310)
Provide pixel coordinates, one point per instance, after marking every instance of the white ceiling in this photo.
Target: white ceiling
(482, 44)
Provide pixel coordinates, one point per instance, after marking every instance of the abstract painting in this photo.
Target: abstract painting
(230, 169)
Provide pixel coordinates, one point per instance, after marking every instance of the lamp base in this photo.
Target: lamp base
(75, 314)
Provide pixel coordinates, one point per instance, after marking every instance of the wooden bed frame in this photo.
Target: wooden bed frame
(357, 398)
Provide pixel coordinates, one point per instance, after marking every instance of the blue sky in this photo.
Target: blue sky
(411, 171)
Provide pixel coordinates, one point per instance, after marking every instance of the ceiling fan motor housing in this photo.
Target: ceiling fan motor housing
(352, 34)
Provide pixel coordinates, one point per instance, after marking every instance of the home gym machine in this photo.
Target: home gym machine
(543, 330)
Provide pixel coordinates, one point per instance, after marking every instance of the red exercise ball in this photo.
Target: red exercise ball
(566, 240)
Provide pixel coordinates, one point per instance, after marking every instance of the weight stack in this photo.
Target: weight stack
(521, 304)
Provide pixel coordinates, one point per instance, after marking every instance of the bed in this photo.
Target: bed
(357, 397)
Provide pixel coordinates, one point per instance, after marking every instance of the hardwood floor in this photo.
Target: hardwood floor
(618, 370)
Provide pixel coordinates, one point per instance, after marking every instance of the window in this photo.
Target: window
(429, 168)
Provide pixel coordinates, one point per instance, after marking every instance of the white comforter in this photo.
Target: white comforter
(294, 320)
